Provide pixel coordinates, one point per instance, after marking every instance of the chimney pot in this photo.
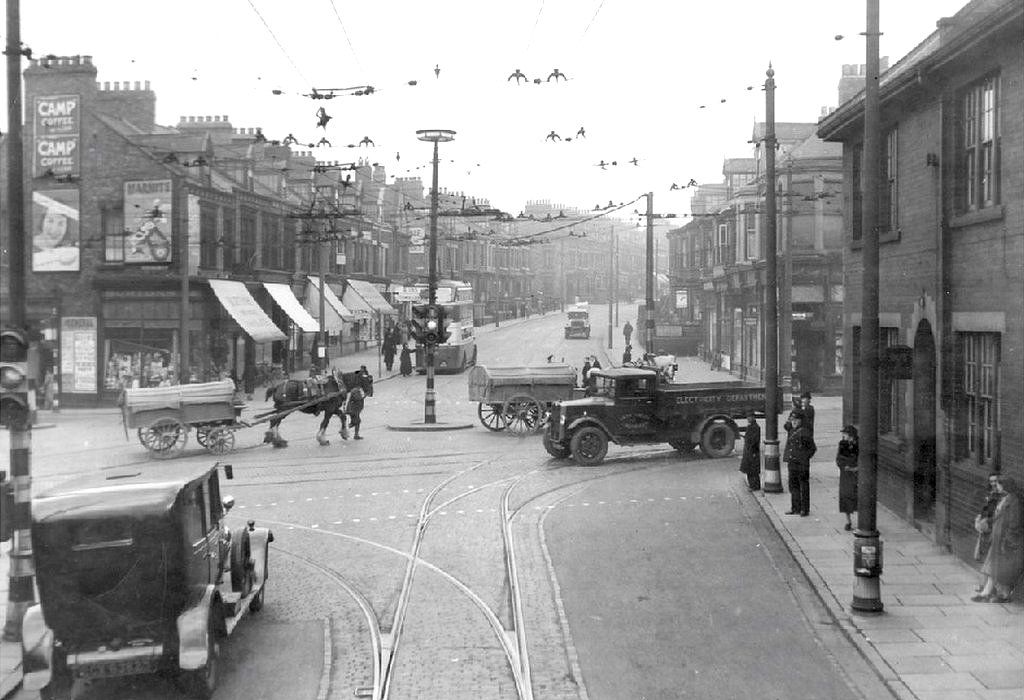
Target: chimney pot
(106, 84)
(224, 118)
(87, 60)
(146, 85)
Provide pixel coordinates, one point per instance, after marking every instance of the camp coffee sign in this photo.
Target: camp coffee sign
(56, 121)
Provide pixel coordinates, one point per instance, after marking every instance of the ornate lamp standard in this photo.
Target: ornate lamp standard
(436, 136)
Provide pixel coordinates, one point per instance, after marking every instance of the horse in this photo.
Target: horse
(325, 395)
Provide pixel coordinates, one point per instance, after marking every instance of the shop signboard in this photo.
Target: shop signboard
(147, 220)
(78, 343)
(55, 229)
(416, 238)
(194, 234)
(682, 298)
(56, 123)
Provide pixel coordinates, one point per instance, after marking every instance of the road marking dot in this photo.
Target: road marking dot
(460, 512)
(479, 510)
(314, 526)
(308, 500)
(392, 517)
(241, 506)
(444, 512)
(586, 504)
(292, 501)
(356, 520)
(273, 504)
(601, 503)
(373, 520)
(337, 522)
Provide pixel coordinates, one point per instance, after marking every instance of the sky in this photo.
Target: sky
(664, 82)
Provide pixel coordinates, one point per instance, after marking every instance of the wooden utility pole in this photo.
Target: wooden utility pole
(649, 324)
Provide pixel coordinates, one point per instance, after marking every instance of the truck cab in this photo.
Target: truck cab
(636, 405)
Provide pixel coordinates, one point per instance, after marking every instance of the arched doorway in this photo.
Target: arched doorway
(924, 423)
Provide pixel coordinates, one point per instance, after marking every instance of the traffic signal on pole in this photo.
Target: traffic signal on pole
(433, 330)
(17, 401)
(419, 323)
(442, 320)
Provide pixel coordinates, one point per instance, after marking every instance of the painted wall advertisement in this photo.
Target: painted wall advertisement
(416, 238)
(56, 123)
(193, 234)
(147, 221)
(78, 340)
(55, 231)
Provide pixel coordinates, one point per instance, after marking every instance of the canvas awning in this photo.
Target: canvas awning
(354, 302)
(285, 298)
(334, 311)
(372, 297)
(238, 302)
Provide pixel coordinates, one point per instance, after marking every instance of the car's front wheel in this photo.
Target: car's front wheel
(589, 445)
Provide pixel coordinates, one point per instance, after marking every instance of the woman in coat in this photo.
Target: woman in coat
(750, 464)
(1005, 559)
(846, 460)
(405, 361)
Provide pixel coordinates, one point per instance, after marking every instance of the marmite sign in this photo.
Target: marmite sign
(56, 125)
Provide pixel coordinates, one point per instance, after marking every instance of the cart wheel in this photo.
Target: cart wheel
(220, 440)
(165, 437)
(524, 415)
(492, 415)
(202, 435)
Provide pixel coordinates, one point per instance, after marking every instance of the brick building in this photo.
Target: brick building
(154, 243)
(951, 231)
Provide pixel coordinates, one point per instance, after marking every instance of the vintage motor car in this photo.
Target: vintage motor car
(138, 573)
(579, 321)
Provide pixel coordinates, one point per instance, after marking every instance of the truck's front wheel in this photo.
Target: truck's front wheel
(557, 451)
(589, 445)
(717, 440)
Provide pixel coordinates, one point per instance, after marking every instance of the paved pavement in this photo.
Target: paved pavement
(930, 643)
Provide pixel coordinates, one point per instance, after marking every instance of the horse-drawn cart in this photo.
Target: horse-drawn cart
(518, 399)
(162, 416)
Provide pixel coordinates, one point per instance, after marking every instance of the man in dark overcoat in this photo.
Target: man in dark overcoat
(800, 448)
(750, 463)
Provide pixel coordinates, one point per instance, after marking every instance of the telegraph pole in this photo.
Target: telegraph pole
(649, 325)
(21, 589)
(867, 545)
(611, 274)
(772, 470)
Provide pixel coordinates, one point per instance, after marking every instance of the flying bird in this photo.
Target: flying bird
(323, 142)
(582, 133)
(437, 70)
(518, 75)
(635, 162)
(556, 74)
(552, 136)
(367, 141)
(322, 117)
(289, 140)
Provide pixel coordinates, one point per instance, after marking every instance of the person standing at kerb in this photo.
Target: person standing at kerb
(846, 460)
(750, 464)
(800, 448)
(627, 332)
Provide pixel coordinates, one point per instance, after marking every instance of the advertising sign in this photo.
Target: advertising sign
(682, 298)
(56, 123)
(78, 354)
(416, 238)
(55, 231)
(147, 221)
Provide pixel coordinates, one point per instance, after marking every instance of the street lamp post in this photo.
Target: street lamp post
(435, 136)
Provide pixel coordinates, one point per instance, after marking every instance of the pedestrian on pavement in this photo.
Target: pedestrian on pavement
(1005, 559)
(585, 373)
(627, 332)
(405, 361)
(389, 349)
(846, 460)
(594, 362)
(627, 355)
(808, 411)
(788, 425)
(983, 526)
(800, 448)
(750, 464)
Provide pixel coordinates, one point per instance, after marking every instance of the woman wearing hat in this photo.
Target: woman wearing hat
(846, 460)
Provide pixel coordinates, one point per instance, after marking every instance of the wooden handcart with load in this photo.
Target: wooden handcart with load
(518, 399)
(163, 416)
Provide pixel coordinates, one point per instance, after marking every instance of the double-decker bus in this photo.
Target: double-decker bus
(459, 351)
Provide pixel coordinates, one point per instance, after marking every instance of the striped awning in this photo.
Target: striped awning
(372, 297)
(335, 312)
(285, 298)
(238, 302)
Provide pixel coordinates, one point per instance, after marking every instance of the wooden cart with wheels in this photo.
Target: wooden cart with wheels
(518, 399)
(163, 416)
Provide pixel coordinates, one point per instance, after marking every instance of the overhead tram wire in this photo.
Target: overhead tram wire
(600, 5)
(575, 222)
(278, 42)
(345, 32)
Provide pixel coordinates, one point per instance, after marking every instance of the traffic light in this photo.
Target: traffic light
(433, 329)
(419, 323)
(16, 400)
(442, 325)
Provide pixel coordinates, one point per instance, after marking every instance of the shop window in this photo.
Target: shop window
(888, 204)
(891, 408)
(977, 397)
(838, 352)
(247, 240)
(977, 166)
